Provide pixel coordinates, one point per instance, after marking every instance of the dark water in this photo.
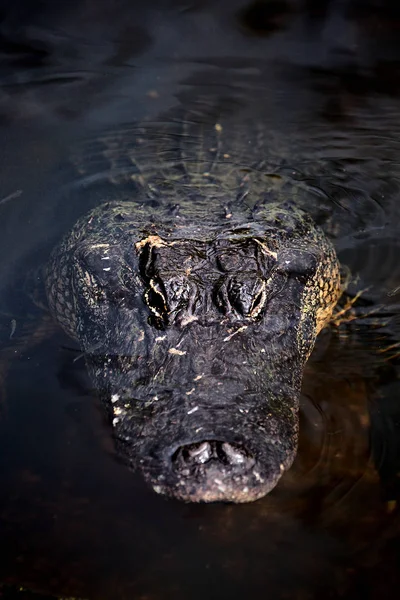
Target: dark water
(72, 520)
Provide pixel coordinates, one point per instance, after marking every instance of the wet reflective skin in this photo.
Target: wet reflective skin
(196, 335)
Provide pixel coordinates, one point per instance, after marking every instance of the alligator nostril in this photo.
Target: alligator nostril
(199, 453)
(233, 454)
(214, 452)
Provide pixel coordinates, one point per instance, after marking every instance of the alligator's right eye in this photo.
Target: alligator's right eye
(245, 293)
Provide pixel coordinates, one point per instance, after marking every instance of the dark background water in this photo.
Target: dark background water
(72, 520)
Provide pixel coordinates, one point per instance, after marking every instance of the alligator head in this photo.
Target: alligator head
(196, 334)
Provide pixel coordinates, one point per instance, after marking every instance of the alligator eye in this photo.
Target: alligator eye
(246, 294)
(258, 302)
(156, 300)
(238, 296)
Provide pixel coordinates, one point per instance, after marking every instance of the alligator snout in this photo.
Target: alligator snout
(217, 470)
(213, 469)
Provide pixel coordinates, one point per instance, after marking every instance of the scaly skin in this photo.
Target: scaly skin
(197, 304)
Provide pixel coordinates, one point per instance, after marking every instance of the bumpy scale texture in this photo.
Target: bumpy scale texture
(197, 302)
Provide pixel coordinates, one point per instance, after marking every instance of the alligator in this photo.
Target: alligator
(197, 300)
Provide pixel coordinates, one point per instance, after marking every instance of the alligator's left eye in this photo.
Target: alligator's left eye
(156, 300)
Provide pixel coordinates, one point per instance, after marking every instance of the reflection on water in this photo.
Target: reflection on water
(325, 78)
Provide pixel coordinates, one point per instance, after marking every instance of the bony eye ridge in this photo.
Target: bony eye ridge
(259, 301)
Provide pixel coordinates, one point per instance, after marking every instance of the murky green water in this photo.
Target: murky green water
(323, 76)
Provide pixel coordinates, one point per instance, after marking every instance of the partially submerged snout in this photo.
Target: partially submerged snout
(217, 470)
(231, 449)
